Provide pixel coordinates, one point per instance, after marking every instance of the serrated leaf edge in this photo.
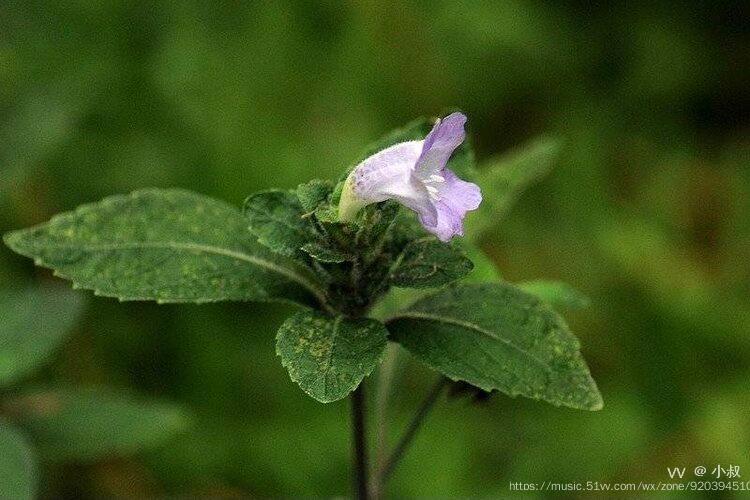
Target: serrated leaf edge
(12, 238)
(285, 364)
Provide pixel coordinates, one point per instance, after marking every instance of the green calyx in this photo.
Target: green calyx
(349, 203)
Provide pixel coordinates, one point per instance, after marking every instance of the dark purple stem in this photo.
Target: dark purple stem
(358, 443)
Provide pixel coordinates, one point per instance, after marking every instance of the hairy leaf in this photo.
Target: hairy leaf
(427, 262)
(312, 194)
(555, 293)
(33, 322)
(379, 220)
(503, 179)
(324, 253)
(165, 245)
(496, 336)
(277, 219)
(329, 356)
(87, 424)
(18, 468)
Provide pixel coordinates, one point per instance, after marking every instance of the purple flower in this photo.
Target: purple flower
(414, 174)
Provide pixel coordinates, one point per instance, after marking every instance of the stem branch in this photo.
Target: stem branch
(398, 452)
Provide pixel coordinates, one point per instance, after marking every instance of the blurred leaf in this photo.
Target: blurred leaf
(614, 438)
(276, 218)
(462, 161)
(643, 251)
(18, 469)
(395, 300)
(484, 269)
(504, 179)
(722, 413)
(164, 245)
(88, 424)
(427, 262)
(33, 322)
(555, 293)
(496, 336)
(45, 118)
(328, 357)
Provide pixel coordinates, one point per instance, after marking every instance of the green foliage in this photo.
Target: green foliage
(503, 179)
(18, 470)
(89, 424)
(276, 219)
(648, 215)
(314, 193)
(484, 268)
(164, 245)
(462, 161)
(175, 246)
(329, 356)
(496, 336)
(34, 322)
(555, 293)
(428, 263)
(323, 253)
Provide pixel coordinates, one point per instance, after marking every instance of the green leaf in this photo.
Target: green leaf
(328, 357)
(277, 219)
(503, 179)
(314, 193)
(323, 253)
(329, 212)
(555, 293)
(484, 269)
(427, 262)
(88, 424)
(496, 336)
(164, 245)
(33, 323)
(18, 468)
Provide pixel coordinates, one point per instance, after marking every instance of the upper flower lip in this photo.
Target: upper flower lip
(446, 135)
(414, 173)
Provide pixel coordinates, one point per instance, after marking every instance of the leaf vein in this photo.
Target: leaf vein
(225, 252)
(471, 327)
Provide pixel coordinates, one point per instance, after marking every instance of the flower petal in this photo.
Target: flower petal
(414, 174)
(388, 174)
(446, 135)
(420, 201)
(455, 197)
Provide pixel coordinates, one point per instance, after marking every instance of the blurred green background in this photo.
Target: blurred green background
(647, 212)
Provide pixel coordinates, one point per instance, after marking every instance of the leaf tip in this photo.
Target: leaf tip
(598, 403)
(12, 239)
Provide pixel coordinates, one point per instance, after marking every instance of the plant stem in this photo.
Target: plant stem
(398, 452)
(358, 443)
(382, 397)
